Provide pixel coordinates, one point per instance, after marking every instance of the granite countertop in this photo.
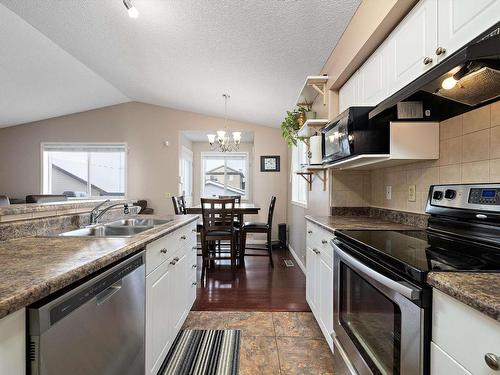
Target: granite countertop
(479, 290)
(356, 222)
(34, 267)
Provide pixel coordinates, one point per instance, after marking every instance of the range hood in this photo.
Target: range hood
(468, 78)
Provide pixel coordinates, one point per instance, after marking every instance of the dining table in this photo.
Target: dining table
(239, 209)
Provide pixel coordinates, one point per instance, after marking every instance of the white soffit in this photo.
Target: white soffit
(39, 80)
(184, 54)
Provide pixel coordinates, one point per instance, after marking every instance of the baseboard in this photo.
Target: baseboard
(297, 259)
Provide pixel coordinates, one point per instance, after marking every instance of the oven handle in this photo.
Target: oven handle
(402, 288)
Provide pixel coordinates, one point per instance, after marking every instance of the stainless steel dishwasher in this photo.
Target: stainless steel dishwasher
(96, 328)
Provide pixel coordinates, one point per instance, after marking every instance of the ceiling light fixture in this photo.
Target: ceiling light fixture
(221, 141)
(131, 9)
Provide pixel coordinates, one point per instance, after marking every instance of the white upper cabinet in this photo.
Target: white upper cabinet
(373, 85)
(349, 93)
(432, 31)
(460, 21)
(412, 45)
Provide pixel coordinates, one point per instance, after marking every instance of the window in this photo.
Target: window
(299, 185)
(225, 174)
(84, 170)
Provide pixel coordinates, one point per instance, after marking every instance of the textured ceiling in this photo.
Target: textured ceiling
(185, 53)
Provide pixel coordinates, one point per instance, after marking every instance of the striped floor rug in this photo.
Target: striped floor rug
(203, 352)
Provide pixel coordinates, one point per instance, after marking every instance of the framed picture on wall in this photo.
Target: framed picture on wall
(270, 163)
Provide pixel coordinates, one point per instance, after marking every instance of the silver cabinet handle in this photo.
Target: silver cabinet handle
(195, 283)
(324, 242)
(163, 251)
(309, 231)
(193, 230)
(174, 261)
(493, 361)
(427, 60)
(183, 237)
(440, 51)
(194, 266)
(316, 251)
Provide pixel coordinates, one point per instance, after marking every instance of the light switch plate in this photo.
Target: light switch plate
(412, 193)
(388, 192)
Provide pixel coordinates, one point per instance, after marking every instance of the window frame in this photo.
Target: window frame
(245, 154)
(299, 156)
(83, 144)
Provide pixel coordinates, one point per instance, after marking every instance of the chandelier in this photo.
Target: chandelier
(221, 141)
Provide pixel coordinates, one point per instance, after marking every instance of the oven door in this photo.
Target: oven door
(378, 328)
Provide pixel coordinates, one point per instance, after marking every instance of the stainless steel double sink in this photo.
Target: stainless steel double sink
(119, 228)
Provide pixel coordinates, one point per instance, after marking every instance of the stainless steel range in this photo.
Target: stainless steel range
(382, 303)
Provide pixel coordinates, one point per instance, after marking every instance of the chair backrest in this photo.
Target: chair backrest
(46, 198)
(217, 214)
(271, 212)
(237, 198)
(4, 201)
(179, 205)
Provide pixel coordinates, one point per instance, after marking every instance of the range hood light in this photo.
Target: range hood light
(449, 83)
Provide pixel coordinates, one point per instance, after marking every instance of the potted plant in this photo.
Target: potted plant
(306, 109)
(290, 126)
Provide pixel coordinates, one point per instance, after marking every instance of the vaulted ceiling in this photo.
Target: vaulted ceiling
(60, 57)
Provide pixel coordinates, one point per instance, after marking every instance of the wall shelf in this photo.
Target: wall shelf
(313, 86)
(310, 127)
(310, 172)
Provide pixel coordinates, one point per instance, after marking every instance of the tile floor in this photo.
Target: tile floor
(272, 342)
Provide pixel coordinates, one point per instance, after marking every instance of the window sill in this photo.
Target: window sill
(299, 204)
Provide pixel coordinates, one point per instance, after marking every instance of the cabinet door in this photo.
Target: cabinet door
(159, 305)
(326, 296)
(373, 77)
(460, 21)
(442, 363)
(349, 93)
(311, 277)
(180, 292)
(13, 343)
(413, 40)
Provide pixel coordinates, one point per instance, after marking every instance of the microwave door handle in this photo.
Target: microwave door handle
(402, 288)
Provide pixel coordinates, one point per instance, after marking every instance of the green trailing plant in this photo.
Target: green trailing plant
(291, 125)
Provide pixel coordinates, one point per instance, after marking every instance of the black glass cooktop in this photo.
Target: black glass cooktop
(417, 252)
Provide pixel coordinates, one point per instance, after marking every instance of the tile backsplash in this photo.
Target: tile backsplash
(469, 153)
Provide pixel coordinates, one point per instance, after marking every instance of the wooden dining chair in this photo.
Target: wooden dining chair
(259, 227)
(217, 216)
(179, 205)
(238, 218)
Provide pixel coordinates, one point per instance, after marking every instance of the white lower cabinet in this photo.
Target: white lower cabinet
(319, 278)
(461, 337)
(13, 343)
(170, 294)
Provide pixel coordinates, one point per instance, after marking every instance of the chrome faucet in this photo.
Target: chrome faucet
(96, 214)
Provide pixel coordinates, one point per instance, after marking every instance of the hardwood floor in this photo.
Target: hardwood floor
(254, 287)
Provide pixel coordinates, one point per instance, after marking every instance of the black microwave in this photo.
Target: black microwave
(352, 133)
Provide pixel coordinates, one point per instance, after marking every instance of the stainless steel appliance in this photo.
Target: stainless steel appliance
(351, 133)
(467, 79)
(382, 303)
(94, 328)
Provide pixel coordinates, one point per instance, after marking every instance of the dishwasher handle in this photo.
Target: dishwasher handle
(106, 294)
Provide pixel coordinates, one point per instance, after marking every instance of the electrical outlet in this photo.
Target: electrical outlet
(388, 192)
(412, 193)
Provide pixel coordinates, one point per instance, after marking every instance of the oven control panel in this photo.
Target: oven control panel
(484, 197)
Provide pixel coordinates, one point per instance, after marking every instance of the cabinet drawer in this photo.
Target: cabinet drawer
(463, 333)
(159, 251)
(319, 239)
(442, 363)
